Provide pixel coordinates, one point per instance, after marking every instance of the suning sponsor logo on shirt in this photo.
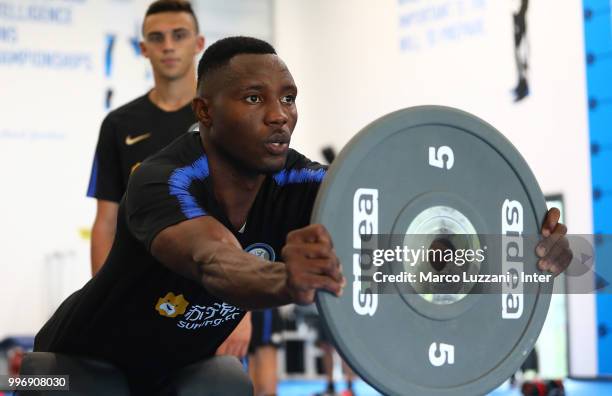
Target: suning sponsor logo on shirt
(196, 316)
(171, 306)
(203, 316)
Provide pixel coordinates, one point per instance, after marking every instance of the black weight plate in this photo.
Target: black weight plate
(387, 338)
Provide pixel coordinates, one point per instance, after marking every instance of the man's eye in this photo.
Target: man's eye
(155, 38)
(288, 99)
(178, 36)
(253, 99)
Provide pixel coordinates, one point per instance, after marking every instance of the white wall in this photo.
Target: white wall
(345, 57)
(50, 116)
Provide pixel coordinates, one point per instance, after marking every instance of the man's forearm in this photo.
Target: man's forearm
(205, 251)
(243, 279)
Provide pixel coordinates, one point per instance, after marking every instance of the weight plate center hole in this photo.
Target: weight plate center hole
(446, 234)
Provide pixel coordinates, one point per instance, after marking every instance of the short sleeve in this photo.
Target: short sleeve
(105, 181)
(160, 195)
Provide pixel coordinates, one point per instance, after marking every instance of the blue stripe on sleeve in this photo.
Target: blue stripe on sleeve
(93, 179)
(295, 176)
(180, 181)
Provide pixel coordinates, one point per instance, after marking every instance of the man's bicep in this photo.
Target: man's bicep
(106, 211)
(182, 247)
(152, 207)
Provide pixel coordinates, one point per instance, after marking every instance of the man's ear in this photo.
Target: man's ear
(143, 49)
(200, 42)
(201, 109)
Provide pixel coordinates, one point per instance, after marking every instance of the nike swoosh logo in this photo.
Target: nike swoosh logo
(133, 140)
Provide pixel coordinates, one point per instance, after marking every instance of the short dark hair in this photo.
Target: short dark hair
(171, 6)
(221, 52)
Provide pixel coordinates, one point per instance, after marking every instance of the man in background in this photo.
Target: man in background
(266, 339)
(134, 131)
(142, 127)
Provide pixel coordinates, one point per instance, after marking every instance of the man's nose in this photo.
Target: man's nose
(168, 44)
(277, 113)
